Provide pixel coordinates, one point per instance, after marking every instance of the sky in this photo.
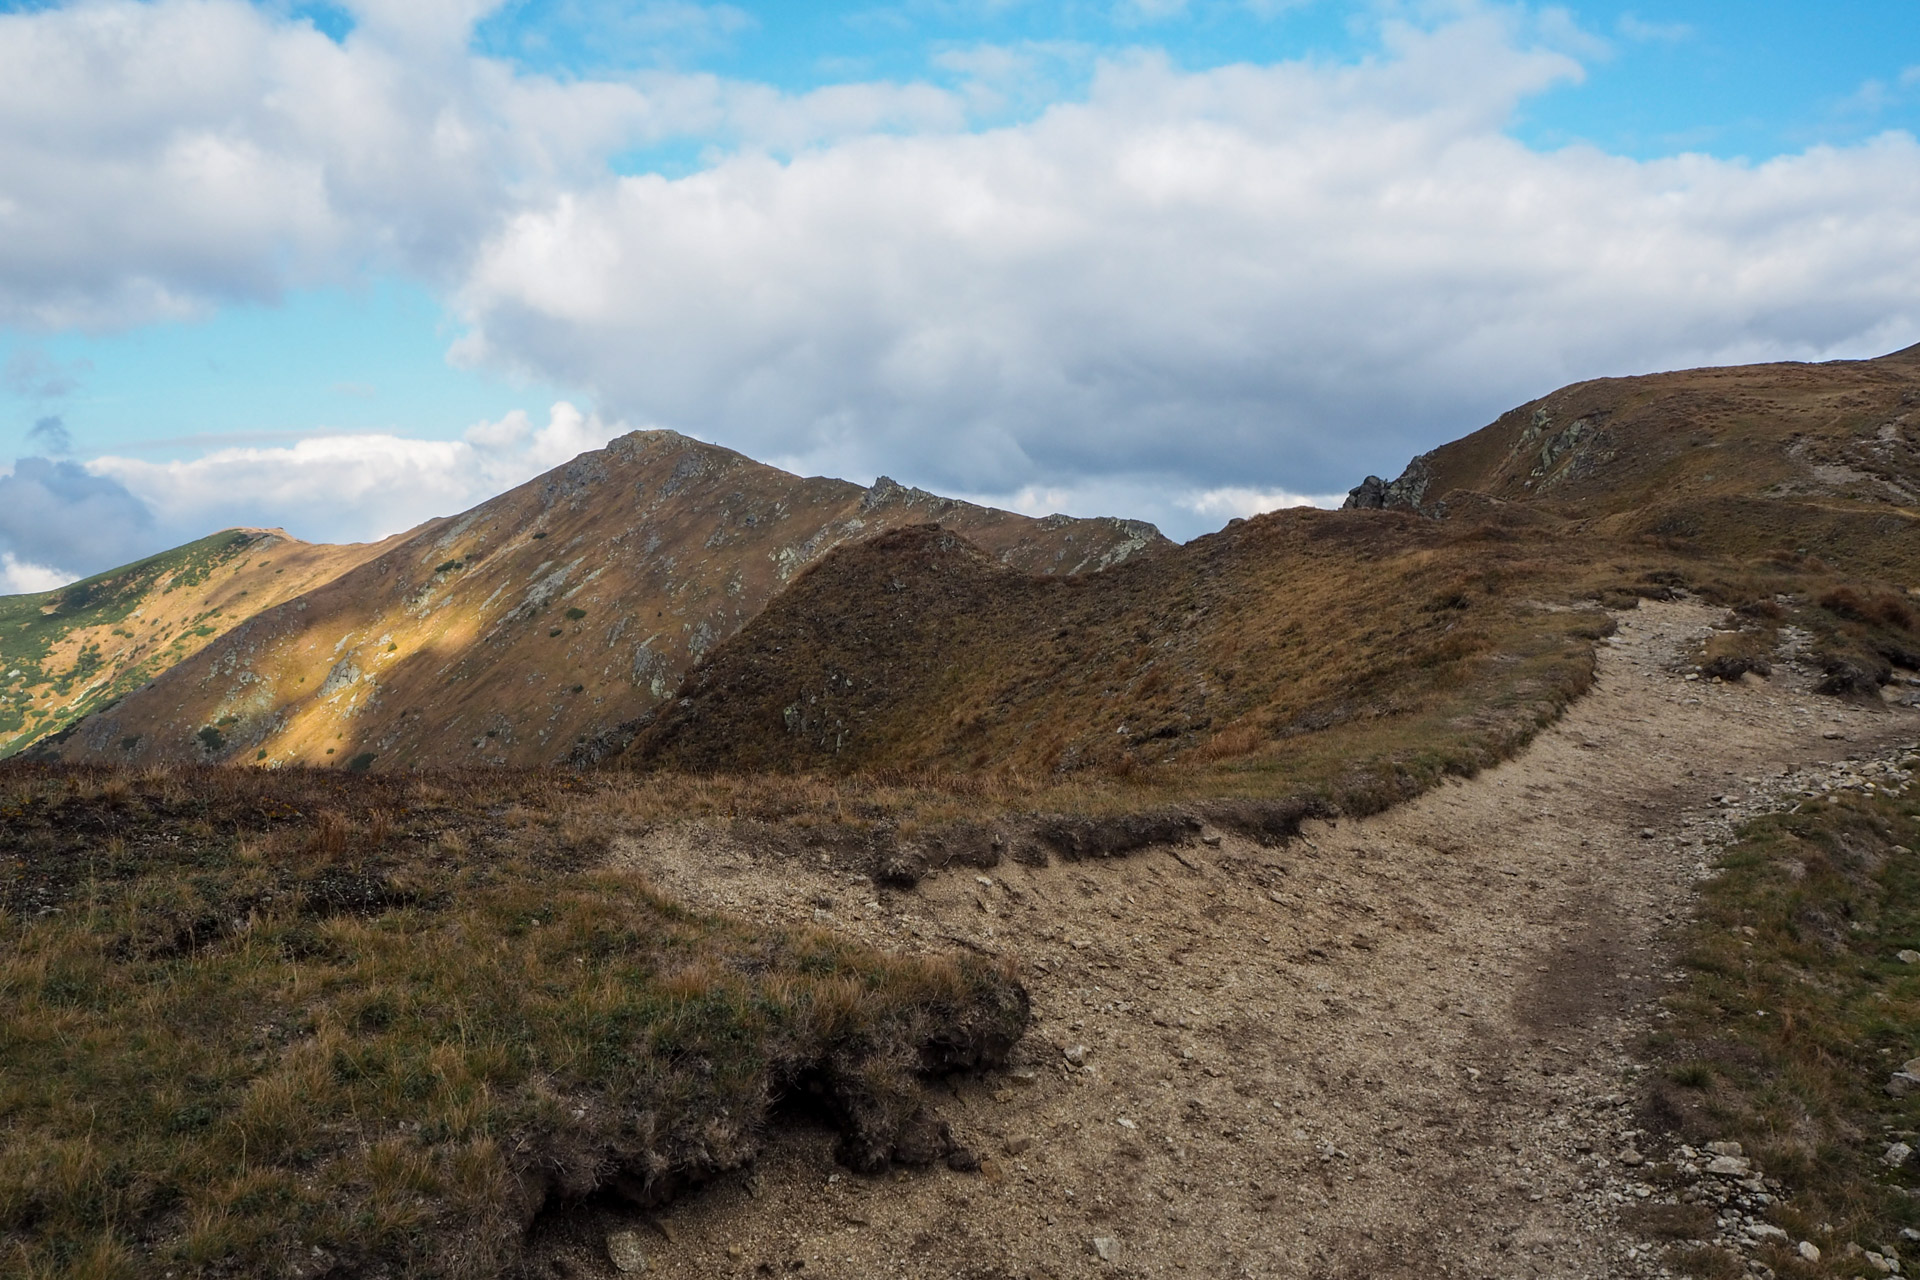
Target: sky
(344, 267)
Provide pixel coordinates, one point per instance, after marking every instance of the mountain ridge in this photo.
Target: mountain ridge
(544, 617)
(1827, 451)
(77, 649)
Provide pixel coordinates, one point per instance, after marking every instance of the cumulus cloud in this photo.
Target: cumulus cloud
(1263, 277)
(60, 518)
(354, 487)
(1233, 501)
(164, 157)
(17, 577)
(1179, 295)
(1180, 512)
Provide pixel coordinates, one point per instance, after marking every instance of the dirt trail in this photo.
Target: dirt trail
(1400, 1046)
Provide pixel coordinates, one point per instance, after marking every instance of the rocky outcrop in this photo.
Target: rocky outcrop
(1408, 493)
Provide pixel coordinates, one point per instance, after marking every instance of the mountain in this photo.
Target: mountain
(528, 630)
(1429, 620)
(676, 605)
(1744, 461)
(69, 652)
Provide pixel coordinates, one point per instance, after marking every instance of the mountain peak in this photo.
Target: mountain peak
(532, 627)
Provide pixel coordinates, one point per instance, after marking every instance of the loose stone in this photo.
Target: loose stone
(625, 1253)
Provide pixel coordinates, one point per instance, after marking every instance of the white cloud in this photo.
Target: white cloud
(1267, 278)
(350, 488)
(1181, 513)
(1234, 500)
(1252, 281)
(161, 155)
(159, 158)
(19, 578)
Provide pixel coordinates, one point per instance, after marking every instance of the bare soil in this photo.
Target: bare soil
(1398, 1046)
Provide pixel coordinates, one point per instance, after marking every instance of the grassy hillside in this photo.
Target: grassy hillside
(67, 653)
(268, 1021)
(1794, 1015)
(298, 1023)
(1744, 462)
(1360, 655)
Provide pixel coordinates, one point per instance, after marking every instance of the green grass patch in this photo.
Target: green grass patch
(33, 626)
(1797, 1011)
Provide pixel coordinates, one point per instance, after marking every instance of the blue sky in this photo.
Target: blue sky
(450, 213)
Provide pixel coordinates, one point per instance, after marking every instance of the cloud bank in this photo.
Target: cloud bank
(1184, 295)
(1307, 271)
(62, 520)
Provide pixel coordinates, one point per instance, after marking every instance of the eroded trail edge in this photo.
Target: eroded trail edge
(1398, 1046)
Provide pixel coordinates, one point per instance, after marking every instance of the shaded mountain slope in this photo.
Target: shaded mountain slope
(1740, 461)
(1233, 654)
(545, 618)
(71, 651)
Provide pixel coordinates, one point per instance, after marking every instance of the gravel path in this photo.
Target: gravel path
(1401, 1046)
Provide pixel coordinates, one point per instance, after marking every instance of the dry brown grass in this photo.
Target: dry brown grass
(1237, 667)
(244, 1016)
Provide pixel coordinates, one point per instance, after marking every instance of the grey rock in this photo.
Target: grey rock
(1408, 493)
(1809, 1250)
(1107, 1247)
(1369, 495)
(624, 1251)
(1896, 1154)
(1730, 1167)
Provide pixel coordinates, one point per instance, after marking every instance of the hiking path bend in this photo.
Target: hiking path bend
(1398, 1046)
